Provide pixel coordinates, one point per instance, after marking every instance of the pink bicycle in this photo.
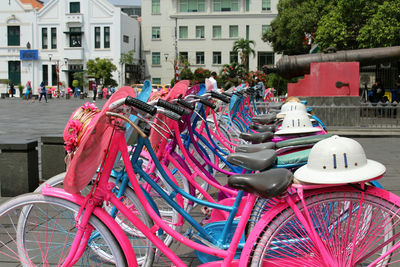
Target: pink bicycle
(331, 218)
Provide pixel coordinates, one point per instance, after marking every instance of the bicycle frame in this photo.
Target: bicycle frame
(91, 204)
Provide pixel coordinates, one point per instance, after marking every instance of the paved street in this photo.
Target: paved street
(22, 120)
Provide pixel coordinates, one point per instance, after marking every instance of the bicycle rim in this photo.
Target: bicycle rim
(353, 234)
(38, 230)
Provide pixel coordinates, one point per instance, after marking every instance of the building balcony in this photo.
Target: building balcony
(74, 18)
(74, 53)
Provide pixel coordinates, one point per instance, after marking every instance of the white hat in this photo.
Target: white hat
(297, 123)
(290, 107)
(338, 160)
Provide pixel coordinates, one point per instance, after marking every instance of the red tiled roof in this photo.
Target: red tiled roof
(36, 4)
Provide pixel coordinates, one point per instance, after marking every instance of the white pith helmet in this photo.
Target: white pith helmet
(338, 160)
(297, 123)
(291, 107)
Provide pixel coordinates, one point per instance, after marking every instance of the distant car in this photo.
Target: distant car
(167, 86)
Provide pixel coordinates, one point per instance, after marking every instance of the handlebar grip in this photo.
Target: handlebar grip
(130, 101)
(208, 104)
(172, 115)
(221, 97)
(174, 108)
(186, 104)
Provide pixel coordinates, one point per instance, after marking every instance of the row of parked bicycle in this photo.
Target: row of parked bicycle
(295, 195)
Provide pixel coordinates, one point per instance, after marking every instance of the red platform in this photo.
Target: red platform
(323, 78)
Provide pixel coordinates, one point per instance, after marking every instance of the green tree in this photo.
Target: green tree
(81, 78)
(244, 47)
(101, 69)
(295, 18)
(341, 26)
(383, 28)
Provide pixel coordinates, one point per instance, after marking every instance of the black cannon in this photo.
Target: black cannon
(294, 66)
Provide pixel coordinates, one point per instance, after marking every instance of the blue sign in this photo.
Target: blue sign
(31, 54)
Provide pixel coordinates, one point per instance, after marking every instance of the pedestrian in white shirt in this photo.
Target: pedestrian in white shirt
(213, 81)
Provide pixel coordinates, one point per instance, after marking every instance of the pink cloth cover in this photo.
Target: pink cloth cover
(91, 150)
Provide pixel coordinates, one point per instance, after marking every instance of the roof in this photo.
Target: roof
(35, 3)
(126, 3)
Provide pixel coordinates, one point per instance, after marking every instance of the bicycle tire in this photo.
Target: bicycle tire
(144, 252)
(279, 238)
(51, 232)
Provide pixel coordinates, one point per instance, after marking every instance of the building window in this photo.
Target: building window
(155, 33)
(96, 37)
(155, 6)
(125, 38)
(265, 28)
(45, 74)
(247, 32)
(13, 35)
(192, 6)
(106, 37)
(226, 5)
(217, 58)
(183, 32)
(266, 4)
(200, 32)
(53, 38)
(199, 58)
(14, 71)
(247, 5)
(183, 56)
(217, 32)
(54, 75)
(75, 37)
(233, 57)
(44, 38)
(74, 7)
(155, 58)
(156, 80)
(265, 58)
(135, 11)
(233, 31)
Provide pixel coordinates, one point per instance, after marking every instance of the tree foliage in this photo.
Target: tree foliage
(101, 69)
(294, 19)
(344, 24)
(127, 58)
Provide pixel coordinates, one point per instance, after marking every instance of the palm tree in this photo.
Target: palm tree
(244, 46)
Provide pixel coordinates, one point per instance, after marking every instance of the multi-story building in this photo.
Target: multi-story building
(72, 32)
(203, 32)
(62, 36)
(17, 28)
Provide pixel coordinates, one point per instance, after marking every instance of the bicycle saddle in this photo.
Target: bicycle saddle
(250, 148)
(263, 128)
(256, 161)
(264, 118)
(266, 184)
(256, 138)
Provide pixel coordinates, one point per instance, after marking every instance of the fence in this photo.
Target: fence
(364, 115)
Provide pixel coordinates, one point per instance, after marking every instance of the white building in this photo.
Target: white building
(17, 28)
(67, 33)
(203, 31)
(72, 32)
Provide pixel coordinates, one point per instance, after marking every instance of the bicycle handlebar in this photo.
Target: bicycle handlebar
(170, 106)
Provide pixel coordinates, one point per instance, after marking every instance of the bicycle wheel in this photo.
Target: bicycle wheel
(144, 252)
(43, 235)
(353, 234)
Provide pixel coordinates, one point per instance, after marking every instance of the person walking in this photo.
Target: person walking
(377, 91)
(28, 92)
(94, 89)
(260, 88)
(12, 89)
(43, 91)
